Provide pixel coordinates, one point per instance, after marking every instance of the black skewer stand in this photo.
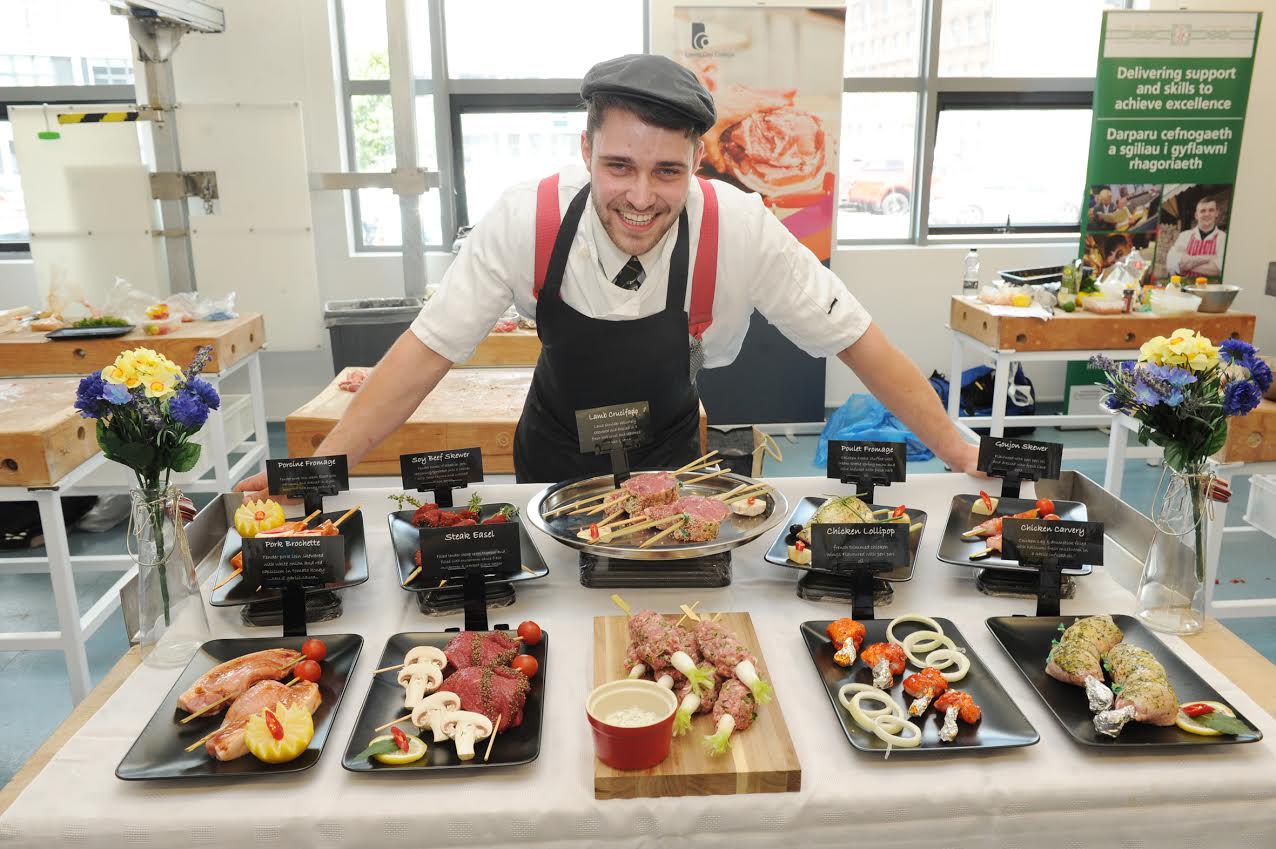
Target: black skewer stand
(451, 599)
(295, 607)
(598, 572)
(859, 587)
(619, 466)
(313, 500)
(1010, 485)
(1049, 588)
(293, 599)
(475, 601)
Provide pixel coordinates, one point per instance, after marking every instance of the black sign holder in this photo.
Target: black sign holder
(1010, 484)
(619, 466)
(475, 600)
(293, 598)
(858, 586)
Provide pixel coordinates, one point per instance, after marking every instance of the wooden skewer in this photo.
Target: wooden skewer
(237, 572)
(393, 722)
(688, 611)
(733, 491)
(527, 569)
(206, 709)
(600, 508)
(666, 532)
(202, 740)
(577, 503)
(620, 602)
(388, 668)
(699, 478)
(347, 515)
(492, 739)
(737, 494)
(695, 462)
(608, 536)
(699, 466)
(746, 495)
(412, 576)
(717, 616)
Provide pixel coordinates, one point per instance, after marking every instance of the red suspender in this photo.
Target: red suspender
(548, 220)
(703, 278)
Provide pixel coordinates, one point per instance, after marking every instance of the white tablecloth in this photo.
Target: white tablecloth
(1055, 793)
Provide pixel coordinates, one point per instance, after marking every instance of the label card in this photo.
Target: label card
(1026, 460)
(307, 561)
(872, 462)
(451, 469)
(842, 548)
(1063, 544)
(613, 428)
(296, 476)
(449, 554)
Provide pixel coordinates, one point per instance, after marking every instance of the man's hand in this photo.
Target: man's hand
(254, 488)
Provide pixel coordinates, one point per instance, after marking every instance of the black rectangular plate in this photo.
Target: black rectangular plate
(407, 541)
(1027, 640)
(778, 553)
(955, 550)
(89, 332)
(384, 702)
(158, 752)
(1003, 725)
(237, 592)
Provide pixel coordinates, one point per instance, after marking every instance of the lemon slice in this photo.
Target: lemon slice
(253, 517)
(416, 751)
(1191, 726)
(1019, 299)
(298, 731)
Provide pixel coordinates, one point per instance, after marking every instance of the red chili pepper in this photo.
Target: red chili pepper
(273, 725)
(799, 545)
(987, 499)
(593, 531)
(1197, 709)
(898, 511)
(400, 739)
(752, 500)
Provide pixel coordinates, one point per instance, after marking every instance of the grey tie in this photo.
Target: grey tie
(630, 277)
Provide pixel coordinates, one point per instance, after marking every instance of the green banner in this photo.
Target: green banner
(1169, 109)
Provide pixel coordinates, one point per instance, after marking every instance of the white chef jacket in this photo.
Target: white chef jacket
(760, 265)
(1190, 243)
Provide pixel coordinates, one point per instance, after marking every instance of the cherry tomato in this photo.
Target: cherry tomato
(314, 649)
(1045, 505)
(529, 632)
(308, 670)
(273, 724)
(526, 664)
(400, 739)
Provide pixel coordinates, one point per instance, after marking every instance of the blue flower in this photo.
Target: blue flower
(1262, 373)
(88, 396)
(1234, 350)
(188, 409)
(1146, 395)
(1111, 402)
(116, 393)
(1240, 396)
(202, 356)
(1101, 361)
(1173, 375)
(205, 392)
(1174, 397)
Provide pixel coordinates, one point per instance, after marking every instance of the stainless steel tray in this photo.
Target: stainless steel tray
(736, 530)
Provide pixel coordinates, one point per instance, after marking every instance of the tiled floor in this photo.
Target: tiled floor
(38, 679)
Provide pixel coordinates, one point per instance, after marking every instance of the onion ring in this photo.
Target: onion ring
(888, 728)
(912, 617)
(864, 717)
(933, 640)
(949, 657)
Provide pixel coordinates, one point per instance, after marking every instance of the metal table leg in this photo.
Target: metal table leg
(217, 441)
(68, 608)
(1118, 441)
(954, 376)
(258, 392)
(1000, 388)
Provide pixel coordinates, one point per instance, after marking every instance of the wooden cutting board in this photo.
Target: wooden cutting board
(761, 759)
(42, 437)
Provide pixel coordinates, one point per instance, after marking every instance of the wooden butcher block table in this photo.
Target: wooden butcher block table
(1083, 330)
(470, 407)
(519, 347)
(29, 354)
(42, 436)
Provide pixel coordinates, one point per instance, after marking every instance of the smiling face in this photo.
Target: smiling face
(1206, 214)
(640, 177)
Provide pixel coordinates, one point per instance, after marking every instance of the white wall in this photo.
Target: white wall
(283, 50)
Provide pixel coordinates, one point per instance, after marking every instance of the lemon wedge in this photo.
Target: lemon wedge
(253, 517)
(1191, 726)
(416, 751)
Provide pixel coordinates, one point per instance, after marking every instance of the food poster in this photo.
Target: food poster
(776, 79)
(1169, 107)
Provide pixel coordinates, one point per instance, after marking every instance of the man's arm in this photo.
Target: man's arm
(895, 381)
(406, 374)
(1175, 258)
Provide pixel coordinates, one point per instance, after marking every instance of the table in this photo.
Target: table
(1054, 793)
(518, 347)
(1006, 340)
(469, 407)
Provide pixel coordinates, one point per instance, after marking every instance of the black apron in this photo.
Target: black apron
(589, 362)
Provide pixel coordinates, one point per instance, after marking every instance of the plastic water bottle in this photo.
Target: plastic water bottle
(970, 282)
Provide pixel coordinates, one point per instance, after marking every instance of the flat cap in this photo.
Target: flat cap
(654, 79)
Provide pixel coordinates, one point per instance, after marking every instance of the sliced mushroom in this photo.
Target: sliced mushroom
(426, 654)
(419, 679)
(465, 727)
(432, 712)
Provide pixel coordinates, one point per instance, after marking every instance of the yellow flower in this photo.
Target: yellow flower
(157, 386)
(126, 376)
(1153, 350)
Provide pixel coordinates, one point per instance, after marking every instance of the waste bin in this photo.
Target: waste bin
(362, 330)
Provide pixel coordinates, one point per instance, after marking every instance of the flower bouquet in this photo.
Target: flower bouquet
(1182, 391)
(148, 409)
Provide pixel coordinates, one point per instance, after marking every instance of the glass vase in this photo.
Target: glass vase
(1171, 594)
(172, 623)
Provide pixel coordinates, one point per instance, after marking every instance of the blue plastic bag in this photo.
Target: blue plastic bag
(863, 417)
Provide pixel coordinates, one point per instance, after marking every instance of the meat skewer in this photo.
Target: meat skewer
(847, 636)
(731, 659)
(992, 527)
(1143, 691)
(230, 680)
(734, 710)
(659, 645)
(924, 686)
(691, 702)
(955, 704)
(886, 660)
(1077, 657)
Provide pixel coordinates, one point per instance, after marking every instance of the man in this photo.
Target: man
(619, 285)
(1198, 252)
(1102, 207)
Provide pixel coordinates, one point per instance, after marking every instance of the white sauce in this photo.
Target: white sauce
(631, 717)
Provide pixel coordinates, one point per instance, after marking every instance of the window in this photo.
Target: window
(70, 51)
(1000, 100)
